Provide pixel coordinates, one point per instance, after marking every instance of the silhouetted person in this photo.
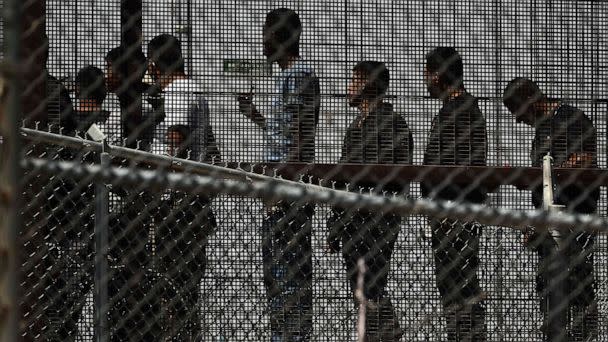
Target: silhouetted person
(376, 136)
(90, 94)
(125, 69)
(289, 128)
(58, 223)
(184, 220)
(457, 137)
(134, 313)
(568, 135)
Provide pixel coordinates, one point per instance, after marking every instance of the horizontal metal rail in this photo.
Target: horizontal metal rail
(306, 193)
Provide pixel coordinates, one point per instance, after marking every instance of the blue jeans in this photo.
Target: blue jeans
(287, 255)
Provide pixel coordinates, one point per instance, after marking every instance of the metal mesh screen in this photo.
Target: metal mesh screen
(183, 264)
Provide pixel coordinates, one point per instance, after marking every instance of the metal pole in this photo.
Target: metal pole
(556, 272)
(360, 295)
(131, 23)
(33, 54)
(101, 255)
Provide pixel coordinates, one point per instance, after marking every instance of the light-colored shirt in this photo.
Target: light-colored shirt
(184, 105)
(296, 90)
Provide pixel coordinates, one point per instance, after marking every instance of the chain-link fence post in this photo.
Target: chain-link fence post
(9, 170)
(101, 255)
(360, 294)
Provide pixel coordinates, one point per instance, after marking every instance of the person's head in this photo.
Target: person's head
(91, 85)
(165, 56)
(370, 81)
(178, 140)
(521, 97)
(282, 31)
(125, 66)
(443, 71)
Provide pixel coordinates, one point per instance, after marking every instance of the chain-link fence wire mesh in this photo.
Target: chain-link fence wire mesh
(156, 180)
(241, 82)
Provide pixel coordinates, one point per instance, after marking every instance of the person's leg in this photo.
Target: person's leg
(287, 255)
(182, 300)
(76, 282)
(134, 308)
(297, 255)
(70, 273)
(551, 279)
(181, 241)
(388, 229)
(373, 239)
(581, 288)
(456, 252)
(274, 273)
(67, 291)
(200, 222)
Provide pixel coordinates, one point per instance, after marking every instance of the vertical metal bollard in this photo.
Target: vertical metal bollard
(101, 255)
(556, 274)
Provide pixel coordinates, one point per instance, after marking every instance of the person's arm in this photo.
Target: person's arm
(204, 145)
(581, 140)
(345, 150)
(301, 102)
(403, 142)
(335, 227)
(59, 107)
(438, 145)
(578, 160)
(335, 222)
(470, 137)
(136, 130)
(248, 108)
(212, 151)
(404, 152)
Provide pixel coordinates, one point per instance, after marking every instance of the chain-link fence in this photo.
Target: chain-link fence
(239, 171)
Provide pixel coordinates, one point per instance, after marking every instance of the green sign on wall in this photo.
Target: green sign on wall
(247, 67)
